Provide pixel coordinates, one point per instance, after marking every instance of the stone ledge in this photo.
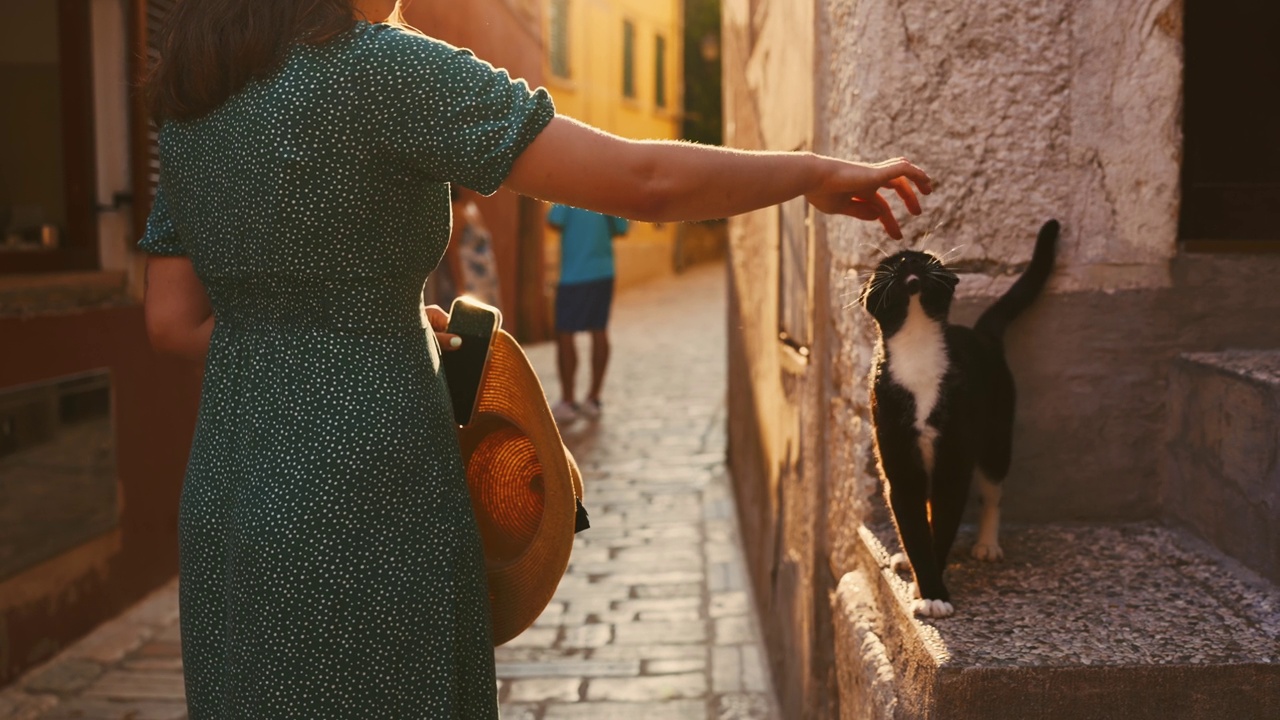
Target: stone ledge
(32, 295)
(1260, 366)
(1222, 472)
(1096, 621)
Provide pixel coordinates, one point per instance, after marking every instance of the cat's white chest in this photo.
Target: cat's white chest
(918, 360)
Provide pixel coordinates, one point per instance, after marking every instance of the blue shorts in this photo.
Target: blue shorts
(582, 307)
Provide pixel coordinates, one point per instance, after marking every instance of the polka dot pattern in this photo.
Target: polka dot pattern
(331, 566)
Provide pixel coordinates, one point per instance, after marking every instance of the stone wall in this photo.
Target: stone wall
(775, 392)
(1022, 111)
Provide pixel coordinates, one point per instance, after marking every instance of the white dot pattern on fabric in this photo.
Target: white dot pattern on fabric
(330, 563)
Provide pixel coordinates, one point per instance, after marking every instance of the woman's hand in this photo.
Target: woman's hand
(850, 188)
(439, 320)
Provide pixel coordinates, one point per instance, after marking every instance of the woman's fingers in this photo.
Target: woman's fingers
(448, 342)
(876, 208)
(903, 188)
(902, 168)
(438, 318)
(439, 321)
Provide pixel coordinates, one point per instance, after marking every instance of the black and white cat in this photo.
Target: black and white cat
(942, 404)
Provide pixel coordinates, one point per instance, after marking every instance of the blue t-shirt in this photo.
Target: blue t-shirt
(586, 243)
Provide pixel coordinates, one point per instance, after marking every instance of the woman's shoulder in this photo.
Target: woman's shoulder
(381, 44)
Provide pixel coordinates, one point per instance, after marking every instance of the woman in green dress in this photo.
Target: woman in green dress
(330, 562)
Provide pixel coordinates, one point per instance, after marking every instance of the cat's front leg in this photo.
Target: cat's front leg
(908, 497)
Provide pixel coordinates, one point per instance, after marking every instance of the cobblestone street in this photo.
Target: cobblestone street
(653, 619)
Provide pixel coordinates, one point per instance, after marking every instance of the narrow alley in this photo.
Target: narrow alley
(653, 619)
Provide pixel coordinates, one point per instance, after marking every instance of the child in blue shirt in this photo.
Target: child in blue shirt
(584, 296)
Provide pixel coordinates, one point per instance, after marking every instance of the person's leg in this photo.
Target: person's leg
(599, 362)
(567, 364)
(598, 323)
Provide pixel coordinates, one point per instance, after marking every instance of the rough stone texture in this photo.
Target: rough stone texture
(1023, 111)
(868, 681)
(675, 710)
(1131, 621)
(1223, 469)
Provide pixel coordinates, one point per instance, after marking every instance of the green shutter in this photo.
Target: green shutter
(628, 59)
(660, 72)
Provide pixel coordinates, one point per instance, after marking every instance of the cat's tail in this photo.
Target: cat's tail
(1026, 288)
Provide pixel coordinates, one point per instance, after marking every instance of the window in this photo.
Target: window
(660, 72)
(56, 441)
(47, 170)
(794, 275)
(559, 45)
(1231, 157)
(628, 59)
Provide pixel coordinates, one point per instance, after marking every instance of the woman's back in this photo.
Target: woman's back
(331, 566)
(332, 173)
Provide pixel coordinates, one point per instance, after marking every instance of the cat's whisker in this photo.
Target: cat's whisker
(879, 284)
(878, 249)
(885, 294)
(944, 256)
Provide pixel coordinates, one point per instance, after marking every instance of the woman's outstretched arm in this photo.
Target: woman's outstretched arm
(668, 181)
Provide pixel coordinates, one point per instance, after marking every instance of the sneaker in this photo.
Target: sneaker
(564, 412)
(592, 409)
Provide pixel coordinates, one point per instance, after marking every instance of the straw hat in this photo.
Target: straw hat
(525, 489)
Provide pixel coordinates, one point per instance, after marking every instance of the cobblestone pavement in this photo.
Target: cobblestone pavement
(653, 620)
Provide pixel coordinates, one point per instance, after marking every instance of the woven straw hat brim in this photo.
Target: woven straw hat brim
(524, 488)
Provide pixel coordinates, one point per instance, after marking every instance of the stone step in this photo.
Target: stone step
(1222, 478)
(1130, 621)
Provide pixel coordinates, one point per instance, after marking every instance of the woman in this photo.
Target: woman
(330, 563)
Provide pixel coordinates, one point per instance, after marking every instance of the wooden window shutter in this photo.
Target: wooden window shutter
(148, 17)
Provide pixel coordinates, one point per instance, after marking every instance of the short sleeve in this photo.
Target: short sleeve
(556, 217)
(161, 237)
(617, 226)
(453, 116)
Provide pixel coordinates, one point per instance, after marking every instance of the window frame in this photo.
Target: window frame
(78, 247)
(795, 265)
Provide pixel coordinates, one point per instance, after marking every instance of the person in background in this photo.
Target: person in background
(469, 266)
(584, 296)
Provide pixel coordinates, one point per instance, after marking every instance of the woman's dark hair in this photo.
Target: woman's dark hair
(210, 49)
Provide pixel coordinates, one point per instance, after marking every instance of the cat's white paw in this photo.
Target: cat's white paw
(932, 608)
(899, 562)
(987, 552)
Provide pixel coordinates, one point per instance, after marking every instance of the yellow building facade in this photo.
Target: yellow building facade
(618, 65)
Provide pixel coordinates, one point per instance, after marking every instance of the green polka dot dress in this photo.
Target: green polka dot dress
(330, 563)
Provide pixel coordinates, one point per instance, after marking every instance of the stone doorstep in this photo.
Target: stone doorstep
(1080, 621)
(1222, 473)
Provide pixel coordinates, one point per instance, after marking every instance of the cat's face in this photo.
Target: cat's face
(888, 293)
